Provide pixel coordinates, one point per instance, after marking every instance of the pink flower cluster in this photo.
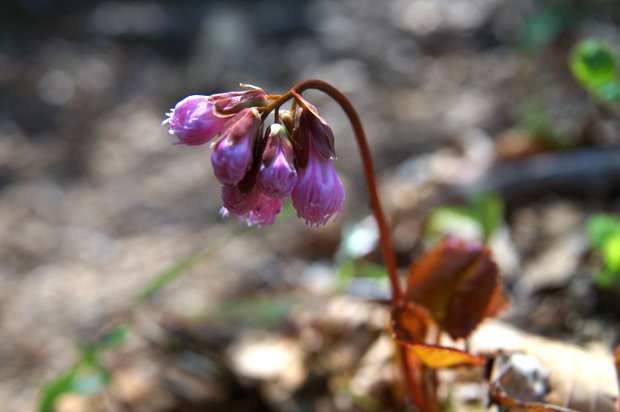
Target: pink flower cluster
(258, 171)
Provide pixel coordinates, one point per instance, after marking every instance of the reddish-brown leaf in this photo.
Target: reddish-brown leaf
(497, 303)
(434, 356)
(459, 284)
(499, 397)
(410, 322)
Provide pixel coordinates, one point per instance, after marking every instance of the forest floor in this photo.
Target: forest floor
(105, 226)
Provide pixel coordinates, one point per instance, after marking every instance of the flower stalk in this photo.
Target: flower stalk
(306, 167)
(387, 249)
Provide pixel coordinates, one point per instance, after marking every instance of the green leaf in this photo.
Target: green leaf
(606, 278)
(609, 93)
(184, 265)
(371, 270)
(600, 227)
(536, 117)
(489, 208)
(55, 388)
(349, 269)
(263, 312)
(87, 376)
(481, 218)
(345, 272)
(547, 24)
(115, 337)
(452, 221)
(543, 28)
(611, 252)
(449, 405)
(593, 64)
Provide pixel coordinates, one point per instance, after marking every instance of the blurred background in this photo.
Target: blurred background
(108, 233)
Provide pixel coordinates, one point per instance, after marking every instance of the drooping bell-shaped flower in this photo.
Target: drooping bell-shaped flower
(277, 175)
(319, 194)
(237, 202)
(264, 211)
(232, 153)
(197, 119)
(193, 121)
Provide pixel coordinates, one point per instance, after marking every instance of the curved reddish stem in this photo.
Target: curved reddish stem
(387, 249)
(389, 256)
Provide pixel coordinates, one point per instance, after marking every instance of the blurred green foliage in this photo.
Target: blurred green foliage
(595, 66)
(600, 227)
(488, 210)
(537, 119)
(163, 278)
(593, 63)
(604, 234)
(611, 252)
(547, 23)
(351, 268)
(484, 213)
(261, 312)
(87, 376)
(358, 239)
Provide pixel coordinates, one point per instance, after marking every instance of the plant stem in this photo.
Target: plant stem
(412, 382)
(389, 256)
(387, 249)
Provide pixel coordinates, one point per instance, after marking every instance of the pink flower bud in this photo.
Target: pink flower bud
(319, 194)
(192, 120)
(264, 211)
(277, 176)
(232, 153)
(236, 202)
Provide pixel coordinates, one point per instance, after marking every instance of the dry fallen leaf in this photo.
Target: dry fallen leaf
(580, 379)
(508, 404)
(434, 356)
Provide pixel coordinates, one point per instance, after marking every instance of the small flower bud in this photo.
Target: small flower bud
(193, 121)
(232, 153)
(236, 202)
(319, 194)
(288, 120)
(277, 176)
(264, 211)
(310, 126)
(227, 104)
